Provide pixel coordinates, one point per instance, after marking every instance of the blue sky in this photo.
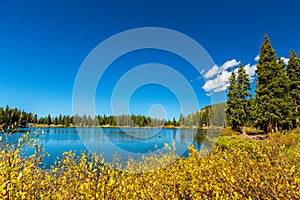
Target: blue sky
(43, 44)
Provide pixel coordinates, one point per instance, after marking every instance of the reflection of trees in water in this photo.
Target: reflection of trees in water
(174, 133)
(182, 136)
(199, 138)
(209, 142)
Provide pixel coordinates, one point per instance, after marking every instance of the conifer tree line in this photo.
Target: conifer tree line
(275, 105)
(204, 117)
(16, 117)
(20, 118)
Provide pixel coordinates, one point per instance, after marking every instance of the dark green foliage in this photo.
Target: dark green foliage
(15, 117)
(232, 108)
(237, 105)
(252, 116)
(272, 107)
(272, 96)
(120, 120)
(18, 118)
(48, 120)
(293, 72)
(243, 84)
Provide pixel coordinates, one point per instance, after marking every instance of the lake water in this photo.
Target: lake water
(125, 142)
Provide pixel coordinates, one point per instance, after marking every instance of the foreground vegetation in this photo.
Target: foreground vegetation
(236, 169)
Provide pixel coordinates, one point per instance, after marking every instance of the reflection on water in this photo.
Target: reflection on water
(199, 138)
(131, 141)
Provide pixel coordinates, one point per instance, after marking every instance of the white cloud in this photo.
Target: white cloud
(250, 70)
(213, 71)
(229, 64)
(221, 82)
(257, 58)
(218, 70)
(222, 88)
(285, 60)
(218, 84)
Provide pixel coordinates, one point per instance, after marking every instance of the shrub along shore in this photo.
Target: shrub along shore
(237, 168)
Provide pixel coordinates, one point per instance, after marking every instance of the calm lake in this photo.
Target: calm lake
(124, 142)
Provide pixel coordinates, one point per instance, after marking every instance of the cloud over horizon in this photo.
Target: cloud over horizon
(218, 76)
(215, 69)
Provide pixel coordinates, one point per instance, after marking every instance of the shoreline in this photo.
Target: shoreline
(108, 126)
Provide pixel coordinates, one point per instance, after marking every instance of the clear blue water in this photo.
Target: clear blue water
(125, 142)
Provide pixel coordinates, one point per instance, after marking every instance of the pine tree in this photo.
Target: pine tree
(283, 100)
(252, 108)
(293, 72)
(272, 97)
(232, 103)
(181, 120)
(243, 87)
(48, 120)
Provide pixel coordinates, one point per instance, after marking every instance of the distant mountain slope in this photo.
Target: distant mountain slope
(209, 115)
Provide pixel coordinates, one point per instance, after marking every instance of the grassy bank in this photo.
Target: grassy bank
(238, 168)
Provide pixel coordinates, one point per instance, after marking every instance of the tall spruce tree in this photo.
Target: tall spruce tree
(243, 87)
(272, 98)
(293, 72)
(232, 116)
(252, 112)
(283, 98)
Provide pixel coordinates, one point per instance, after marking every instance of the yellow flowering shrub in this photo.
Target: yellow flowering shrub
(236, 169)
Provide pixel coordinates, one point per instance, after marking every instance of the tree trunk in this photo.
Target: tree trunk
(244, 130)
(244, 127)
